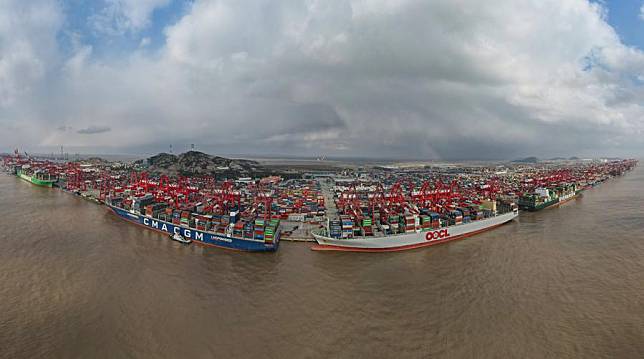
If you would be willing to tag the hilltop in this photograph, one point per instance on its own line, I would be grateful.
(527, 160)
(194, 163)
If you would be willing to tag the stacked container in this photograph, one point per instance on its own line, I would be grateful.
(425, 222)
(436, 219)
(392, 221)
(139, 203)
(466, 213)
(248, 229)
(238, 229)
(271, 231)
(407, 223)
(258, 233)
(217, 224)
(185, 218)
(335, 229)
(201, 222)
(366, 226)
(455, 217)
(347, 227)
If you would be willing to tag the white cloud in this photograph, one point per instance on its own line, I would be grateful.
(27, 45)
(120, 16)
(144, 42)
(448, 78)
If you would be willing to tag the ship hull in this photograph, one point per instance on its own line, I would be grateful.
(412, 240)
(568, 198)
(539, 206)
(36, 181)
(198, 237)
(553, 203)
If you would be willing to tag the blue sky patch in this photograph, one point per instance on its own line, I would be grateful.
(624, 17)
(80, 29)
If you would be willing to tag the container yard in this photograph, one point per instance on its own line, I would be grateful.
(362, 209)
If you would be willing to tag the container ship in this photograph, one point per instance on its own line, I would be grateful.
(229, 231)
(36, 177)
(421, 231)
(542, 198)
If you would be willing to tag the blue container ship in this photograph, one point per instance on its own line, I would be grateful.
(227, 240)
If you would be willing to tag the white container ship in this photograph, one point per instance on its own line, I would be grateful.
(399, 242)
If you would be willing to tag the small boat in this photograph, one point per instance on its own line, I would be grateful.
(179, 238)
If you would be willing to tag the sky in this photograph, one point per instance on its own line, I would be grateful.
(422, 79)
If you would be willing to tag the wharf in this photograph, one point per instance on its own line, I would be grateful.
(300, 231)
(327, 191)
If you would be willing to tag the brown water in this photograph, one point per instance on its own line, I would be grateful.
(77, 282)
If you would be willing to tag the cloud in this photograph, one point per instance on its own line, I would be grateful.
(406, 78)
(118, 17)
(91, 130)
(144, 42)
(27, 43)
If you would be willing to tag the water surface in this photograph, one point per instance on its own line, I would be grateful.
(78, 282)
